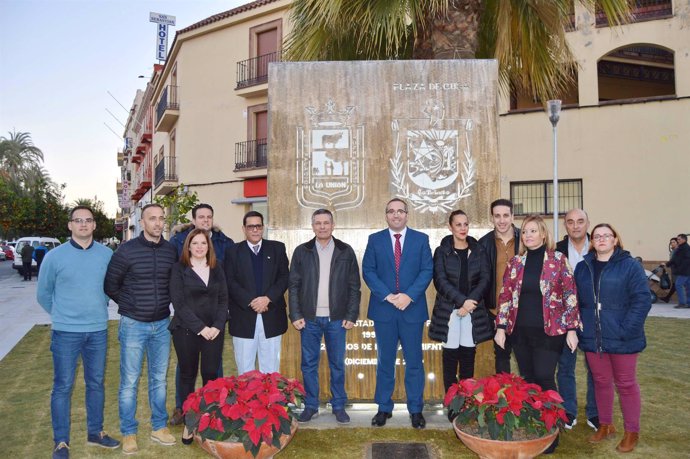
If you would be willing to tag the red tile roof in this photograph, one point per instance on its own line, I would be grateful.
(226, 14)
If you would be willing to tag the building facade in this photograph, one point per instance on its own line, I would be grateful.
(622, 135)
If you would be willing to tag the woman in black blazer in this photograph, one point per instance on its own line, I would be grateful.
(200, 298)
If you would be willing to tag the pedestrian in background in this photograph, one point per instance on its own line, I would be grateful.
(27, 253)
(39, 254)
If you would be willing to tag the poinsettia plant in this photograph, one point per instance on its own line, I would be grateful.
(252, 408)
(498, 406)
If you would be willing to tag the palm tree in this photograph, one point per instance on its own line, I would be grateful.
(527, 37)
(20, 160)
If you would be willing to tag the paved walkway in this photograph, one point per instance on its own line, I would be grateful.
(19, 312)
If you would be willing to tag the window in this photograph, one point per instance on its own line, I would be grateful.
(536, 197)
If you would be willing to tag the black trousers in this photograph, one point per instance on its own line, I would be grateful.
(190, 349)
(501, 355)
(537, 356)
(463, 356)
(26, 267)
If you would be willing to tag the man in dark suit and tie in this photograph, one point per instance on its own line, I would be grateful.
(257, 275)
(398, 267)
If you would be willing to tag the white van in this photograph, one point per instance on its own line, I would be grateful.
(35, 241)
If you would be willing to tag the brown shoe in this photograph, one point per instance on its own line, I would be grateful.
(629, 442)
(177, 418)
(163, 436)
(129, 444)
(605, 432)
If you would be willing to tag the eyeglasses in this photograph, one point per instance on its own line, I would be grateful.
(602, 237)
(80, 221)
(254, 227)
(396, 212)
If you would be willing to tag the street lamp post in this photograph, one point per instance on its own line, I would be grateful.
(554, 111)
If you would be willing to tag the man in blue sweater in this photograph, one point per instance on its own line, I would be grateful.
(70, 289)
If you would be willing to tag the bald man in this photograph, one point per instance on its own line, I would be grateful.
(575, 246)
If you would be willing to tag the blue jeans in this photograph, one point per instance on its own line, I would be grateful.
(334, 335)
(682, 288)
(137, 338)
(66, 348)
(567, 387)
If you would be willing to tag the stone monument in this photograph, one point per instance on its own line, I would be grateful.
(349, 136)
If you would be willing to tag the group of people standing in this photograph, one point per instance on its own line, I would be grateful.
(519, 287)
(512, 285)
(679, 263)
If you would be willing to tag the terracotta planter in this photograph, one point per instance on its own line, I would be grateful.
(235, 450)
(499, 449)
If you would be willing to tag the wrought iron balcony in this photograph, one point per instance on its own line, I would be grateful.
(255, 70)
(251, 154)
(642, 10)
(165, 172)
(168, 109)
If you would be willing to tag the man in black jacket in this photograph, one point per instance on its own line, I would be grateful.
(257, 274)
(680, 262)
(501, 245)
(575, 246)
(324, 302)
(137, 280)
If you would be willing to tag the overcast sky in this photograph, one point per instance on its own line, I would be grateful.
(59, 59)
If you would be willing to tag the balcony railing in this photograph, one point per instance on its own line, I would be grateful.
(642, 10)
(251, 154)
(165, 171)
(167, 103)
(255, 70)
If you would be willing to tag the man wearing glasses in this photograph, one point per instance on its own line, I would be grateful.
(257, 274)
(70, 289)
(397, 267)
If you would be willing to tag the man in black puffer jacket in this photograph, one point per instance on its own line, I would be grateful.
(137, 280)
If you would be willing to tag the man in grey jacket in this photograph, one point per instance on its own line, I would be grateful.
(324, 299)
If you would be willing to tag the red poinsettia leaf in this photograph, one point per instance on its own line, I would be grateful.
(217, 424)
(452, 390)
(252, 431)
(553, 396)
(222, 396)
(235, 411)
(204, 422)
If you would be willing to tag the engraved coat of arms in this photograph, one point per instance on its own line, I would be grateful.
(329, 159)
(432, 165)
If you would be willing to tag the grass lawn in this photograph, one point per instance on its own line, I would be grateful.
(27, 372)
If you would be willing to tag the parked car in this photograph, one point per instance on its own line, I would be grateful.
(7, 251)
(35, 241)
(3, 257)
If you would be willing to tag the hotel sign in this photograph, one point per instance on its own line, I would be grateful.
(163, 21)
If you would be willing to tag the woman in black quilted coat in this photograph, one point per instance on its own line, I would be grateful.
(459, 319)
